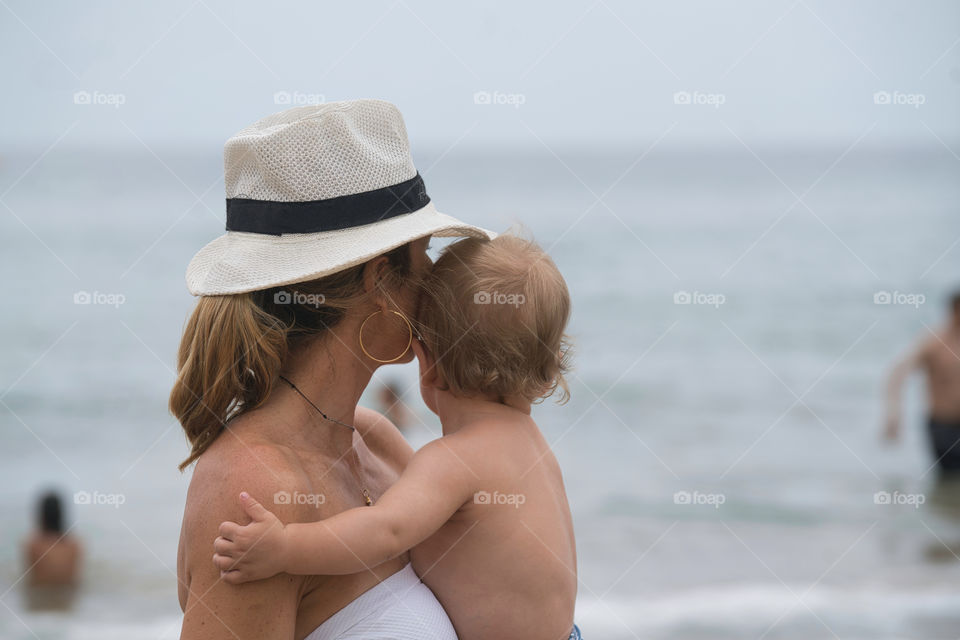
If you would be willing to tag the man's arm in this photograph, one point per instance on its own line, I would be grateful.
(435, 484)
(898, 376)
(215, 609)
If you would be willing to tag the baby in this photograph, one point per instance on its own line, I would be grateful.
(482, 509)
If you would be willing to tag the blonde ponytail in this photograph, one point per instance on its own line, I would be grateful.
(229, 356)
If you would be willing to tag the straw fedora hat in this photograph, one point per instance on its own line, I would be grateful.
(314, 190)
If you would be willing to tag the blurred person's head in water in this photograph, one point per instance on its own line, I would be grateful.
(50, 513)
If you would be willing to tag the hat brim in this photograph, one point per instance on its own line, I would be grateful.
(238, 262)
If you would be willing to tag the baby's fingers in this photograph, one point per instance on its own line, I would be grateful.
(233, 577)
(225, 547)
(223, 563)
(229, 530)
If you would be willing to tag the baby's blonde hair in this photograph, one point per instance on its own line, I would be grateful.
(493, 315)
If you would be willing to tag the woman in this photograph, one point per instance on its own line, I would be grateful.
(309, 291)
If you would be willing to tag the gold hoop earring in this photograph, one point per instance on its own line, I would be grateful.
(405, 349)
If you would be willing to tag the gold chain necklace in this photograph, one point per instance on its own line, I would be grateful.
(366, 494)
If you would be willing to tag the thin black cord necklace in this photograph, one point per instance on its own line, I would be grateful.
(325, 416)
(366, 494)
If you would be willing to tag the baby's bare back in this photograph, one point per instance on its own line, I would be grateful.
(505, 564)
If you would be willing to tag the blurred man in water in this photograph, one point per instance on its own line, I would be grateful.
(938, 356)
(52, 557)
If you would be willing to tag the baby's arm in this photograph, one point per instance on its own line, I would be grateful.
(434, 485)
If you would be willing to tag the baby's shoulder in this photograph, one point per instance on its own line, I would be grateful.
(501, 441)
(516, 426)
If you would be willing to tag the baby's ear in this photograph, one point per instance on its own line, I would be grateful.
(428, 368)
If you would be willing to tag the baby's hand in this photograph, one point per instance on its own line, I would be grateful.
(251, 552)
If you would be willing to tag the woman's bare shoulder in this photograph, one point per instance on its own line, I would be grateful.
(252, 466)
(232, 459)
(229, 466)
(232, 465)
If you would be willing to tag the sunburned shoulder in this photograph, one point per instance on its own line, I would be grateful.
(261, 469)
(232, 459)
(232, 465)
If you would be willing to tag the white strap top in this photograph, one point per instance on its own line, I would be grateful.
(399, 608)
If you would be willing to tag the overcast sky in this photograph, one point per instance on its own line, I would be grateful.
(606, 72)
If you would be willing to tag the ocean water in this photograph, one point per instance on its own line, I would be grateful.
(722, 457)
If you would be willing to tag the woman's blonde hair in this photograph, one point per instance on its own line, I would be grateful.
(234, 346)
(493, 315)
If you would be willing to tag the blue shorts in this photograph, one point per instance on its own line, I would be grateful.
(575, 634)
